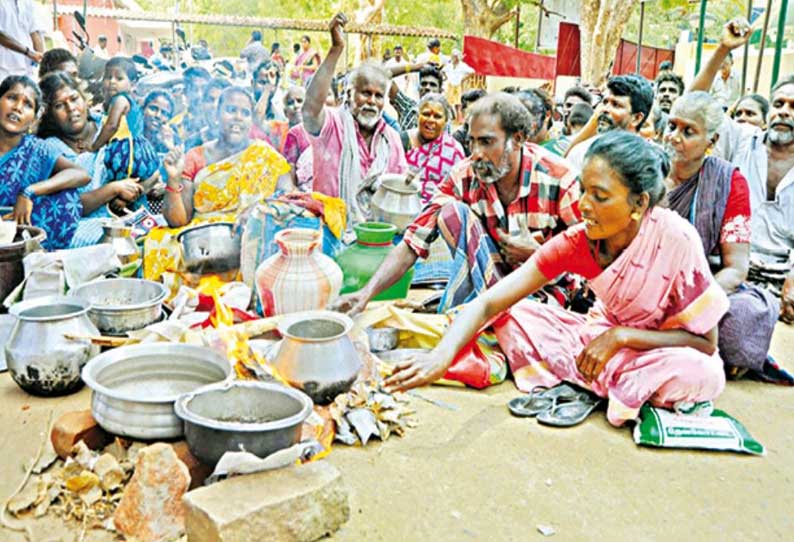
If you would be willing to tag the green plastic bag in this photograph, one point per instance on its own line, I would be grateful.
(719, 431)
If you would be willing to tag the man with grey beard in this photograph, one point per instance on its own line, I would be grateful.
(493, 210)
(351, 145)
(767, 161)
(625, 106)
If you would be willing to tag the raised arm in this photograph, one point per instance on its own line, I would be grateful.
(178, 202)
(313, 114)
(735, 33)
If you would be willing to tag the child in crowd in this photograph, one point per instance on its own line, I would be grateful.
(128, 154)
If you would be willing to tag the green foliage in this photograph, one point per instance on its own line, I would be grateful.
(665, 19)
(227, 41)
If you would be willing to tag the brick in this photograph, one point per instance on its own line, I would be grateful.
(75, 426)
(198, 470)
(296, 504)
(151, 508)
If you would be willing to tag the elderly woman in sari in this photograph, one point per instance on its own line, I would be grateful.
(652, 335)
(69, 129)
(217, 181)
(433, 151)
(714, 196)
(37, 181)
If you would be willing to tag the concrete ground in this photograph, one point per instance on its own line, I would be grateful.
(479, 474)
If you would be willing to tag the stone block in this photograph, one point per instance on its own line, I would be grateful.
(300, 503)
(151, 508)
(75, 426)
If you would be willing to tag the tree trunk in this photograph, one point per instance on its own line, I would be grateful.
(602, 26)
(368, 46)
(482, 18)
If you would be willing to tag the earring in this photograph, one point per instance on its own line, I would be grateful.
(636, 215)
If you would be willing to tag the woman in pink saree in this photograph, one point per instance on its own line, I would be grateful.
(652, 335)
(306, 63)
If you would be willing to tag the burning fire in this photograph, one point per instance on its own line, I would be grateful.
(251, 365)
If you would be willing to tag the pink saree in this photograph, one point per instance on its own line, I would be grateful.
(660, 282)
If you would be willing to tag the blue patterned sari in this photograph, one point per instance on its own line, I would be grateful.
(30, 162)
(89, 228)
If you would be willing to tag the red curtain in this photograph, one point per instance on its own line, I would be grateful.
(491, 58)
(568, 50)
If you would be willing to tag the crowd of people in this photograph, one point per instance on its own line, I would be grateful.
(643, 204)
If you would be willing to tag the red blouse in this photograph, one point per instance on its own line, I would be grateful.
(736, 221)
(567, 252)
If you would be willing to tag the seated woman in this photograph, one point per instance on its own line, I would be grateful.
(36, 181)
(158, 110)
(713, 195)
(433, 151)
(69, 129)
(217, 181)
(652, 335)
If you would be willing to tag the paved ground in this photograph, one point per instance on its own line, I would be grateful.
(479, 474)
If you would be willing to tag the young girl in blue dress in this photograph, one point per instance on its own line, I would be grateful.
(128, 154)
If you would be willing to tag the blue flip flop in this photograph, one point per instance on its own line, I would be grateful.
(540, 399)
(567, 411)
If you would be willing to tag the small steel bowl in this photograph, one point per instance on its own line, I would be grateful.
(122, 305)
(134, 387)
(210, 248)
(256, 417)
(383, 338)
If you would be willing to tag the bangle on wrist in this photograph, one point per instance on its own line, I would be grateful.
(177, 190)
(28, 193)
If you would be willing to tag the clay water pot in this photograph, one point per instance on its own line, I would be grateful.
(299, 277)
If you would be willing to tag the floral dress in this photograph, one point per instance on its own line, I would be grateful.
(30, 162)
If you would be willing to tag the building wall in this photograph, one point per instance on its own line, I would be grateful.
(94, 25)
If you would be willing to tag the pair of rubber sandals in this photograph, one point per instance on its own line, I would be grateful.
(561, 406)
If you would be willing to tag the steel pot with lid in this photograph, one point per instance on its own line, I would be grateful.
(40, 357)
(396, 201)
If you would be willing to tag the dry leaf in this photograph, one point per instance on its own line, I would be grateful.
(82, 482)
(109, 471)
(364, 423)
(83, 455)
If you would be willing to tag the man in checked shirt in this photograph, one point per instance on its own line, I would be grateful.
(493, 210)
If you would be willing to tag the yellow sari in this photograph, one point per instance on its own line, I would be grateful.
(222, 190)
